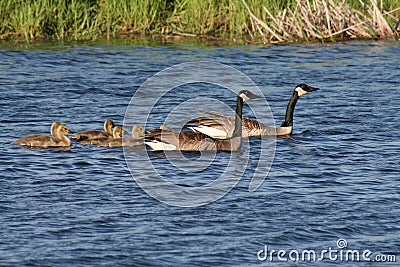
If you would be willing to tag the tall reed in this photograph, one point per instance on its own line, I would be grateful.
(131, 16)
(249, 20)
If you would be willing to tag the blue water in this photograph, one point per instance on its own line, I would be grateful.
(336, 177)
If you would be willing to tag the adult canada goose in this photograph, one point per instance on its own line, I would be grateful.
(159, 139)
(220, 126)
(92, 134)
(57, 139)
(117, 133)
(136, 139)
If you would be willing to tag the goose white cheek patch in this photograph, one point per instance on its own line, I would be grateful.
(301, 91)
(244, 97)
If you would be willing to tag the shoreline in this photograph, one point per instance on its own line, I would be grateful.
(153, 39)
(235, 21)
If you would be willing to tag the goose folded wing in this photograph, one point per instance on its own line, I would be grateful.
(221, 124)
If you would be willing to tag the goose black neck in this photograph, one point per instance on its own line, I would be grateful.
(290, 110)
(237, 132)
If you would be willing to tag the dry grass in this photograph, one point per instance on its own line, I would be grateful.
(324, 20)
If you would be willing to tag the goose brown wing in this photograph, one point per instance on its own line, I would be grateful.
(251, 124)
(192, 136)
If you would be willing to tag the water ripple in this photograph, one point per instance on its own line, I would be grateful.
(336, 177)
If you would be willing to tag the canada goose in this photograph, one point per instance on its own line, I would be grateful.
(159, 139)
(57, 139)
(92, 134)
(117, 133)
(136, 139)
(221, 126)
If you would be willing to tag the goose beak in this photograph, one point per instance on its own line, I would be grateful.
(252, 96)
(257, 96)
(311, 89)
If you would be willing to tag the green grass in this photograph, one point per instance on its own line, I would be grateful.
(92, 19)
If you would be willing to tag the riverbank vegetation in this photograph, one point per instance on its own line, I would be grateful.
(255, 21)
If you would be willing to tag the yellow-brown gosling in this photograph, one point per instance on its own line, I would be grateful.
(57, 139)
(92, 134)
(137, 139)
(117, 133)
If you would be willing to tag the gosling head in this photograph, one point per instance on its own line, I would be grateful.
(303, 89)
(246, 95)
(118, 131)
(137, 132)
(108, 125)
(63, 130)
(164, 127)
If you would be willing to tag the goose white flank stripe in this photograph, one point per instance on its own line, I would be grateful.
(210, 131)
(159, 145)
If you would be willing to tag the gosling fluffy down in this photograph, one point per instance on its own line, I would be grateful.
(57, 138)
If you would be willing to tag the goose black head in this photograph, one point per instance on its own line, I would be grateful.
(303, 89)
(246, 95)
